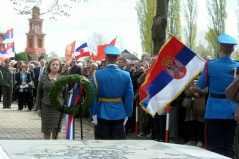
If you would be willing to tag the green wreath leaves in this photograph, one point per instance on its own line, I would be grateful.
(61, 82)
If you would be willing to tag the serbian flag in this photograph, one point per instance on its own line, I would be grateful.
(8, 37)
(82, 51)
(73, 101)
(101, 55)
(174, 68)
(8, 51)
(69, 51)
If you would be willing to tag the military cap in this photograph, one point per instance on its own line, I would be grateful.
(112, 51)
(226, 41)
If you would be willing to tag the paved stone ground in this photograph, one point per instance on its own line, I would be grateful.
(26, 125)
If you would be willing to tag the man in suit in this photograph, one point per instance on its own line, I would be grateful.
(113, 102)
(75, 69)
(122, 64)
(39, 71)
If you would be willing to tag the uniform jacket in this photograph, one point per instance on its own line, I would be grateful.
(7, 77)
(219, 79)
(112, 83)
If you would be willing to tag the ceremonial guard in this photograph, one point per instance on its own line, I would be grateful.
(113, 102)
(7, 84)
(220, 126)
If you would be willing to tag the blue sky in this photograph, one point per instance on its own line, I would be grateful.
(110, 18)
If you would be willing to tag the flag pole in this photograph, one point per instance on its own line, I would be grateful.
(136, 115)
(167, 124)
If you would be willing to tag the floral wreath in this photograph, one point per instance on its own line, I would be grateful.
(61, 82)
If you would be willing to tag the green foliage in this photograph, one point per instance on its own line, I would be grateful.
(235, 55)
(52, 55)
(60, 83)
(21, 57)
(190, 29)
(203, 50)
(174, 26)
(217, 16)
(146, 12)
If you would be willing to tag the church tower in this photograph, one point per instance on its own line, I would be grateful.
(35, 37)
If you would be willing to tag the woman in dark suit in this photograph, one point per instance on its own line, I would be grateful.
(23, 86)
(49, 116)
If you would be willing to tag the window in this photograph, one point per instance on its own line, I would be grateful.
(30, 43)
(38, 27)
(39, 43)
(33, 26)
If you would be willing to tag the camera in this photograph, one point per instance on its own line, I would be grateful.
(237, 71)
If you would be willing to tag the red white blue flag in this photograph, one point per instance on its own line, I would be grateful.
(73, 101)
(174, 68)
(8, 51)
(82, 51)
(8, 37)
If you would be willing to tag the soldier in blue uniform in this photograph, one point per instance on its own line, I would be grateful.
(113, 102)
(220, 126)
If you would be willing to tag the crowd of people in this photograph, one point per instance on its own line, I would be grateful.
(208, 121)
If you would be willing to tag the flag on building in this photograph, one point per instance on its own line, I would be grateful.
(82, 51)
(69, 51)
(101, 55)
(174, 68)
(8, 51)
(73, 101)
(8, 37)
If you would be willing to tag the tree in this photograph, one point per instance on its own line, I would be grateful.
(190, 28)
(94, 40)
(52, 55)
(159, 25)
(22, 56)
(174, 23)
(53, 7)
(217, 15)
(146, 12)
(235, 54)
(237, 14)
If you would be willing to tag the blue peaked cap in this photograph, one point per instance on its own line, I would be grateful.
(226, 40)
(112, 50)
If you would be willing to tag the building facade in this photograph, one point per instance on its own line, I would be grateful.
(35, 38)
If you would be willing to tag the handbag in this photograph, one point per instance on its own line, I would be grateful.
(187, 102)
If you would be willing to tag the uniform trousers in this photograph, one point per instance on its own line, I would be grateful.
(7, 96)
(110, 129)
(220, 135)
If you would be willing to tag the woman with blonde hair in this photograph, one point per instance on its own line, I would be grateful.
(23, 88)
(49, 116)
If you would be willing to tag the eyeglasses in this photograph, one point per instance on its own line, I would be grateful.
(73, 62)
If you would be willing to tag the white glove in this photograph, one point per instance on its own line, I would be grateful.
(125, 120)
(94, 117)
